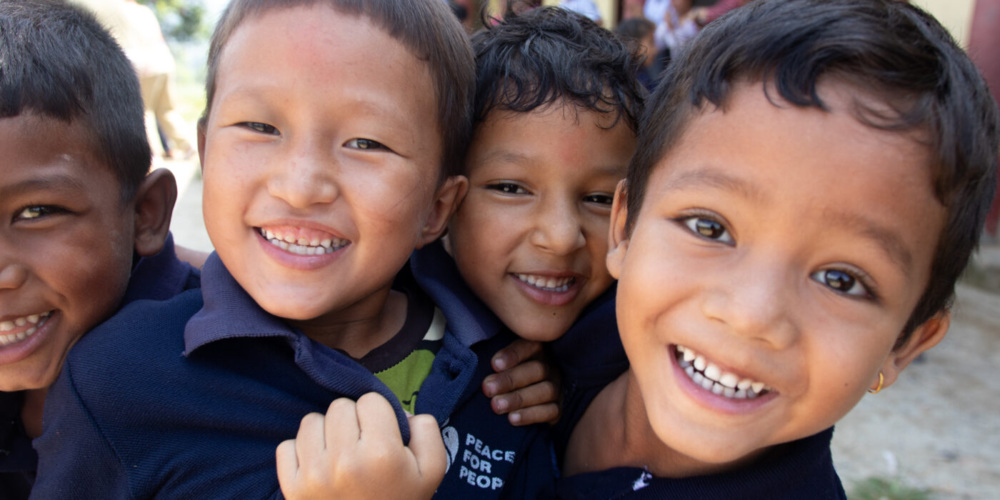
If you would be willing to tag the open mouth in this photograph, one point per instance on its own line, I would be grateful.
(710, 377)
(301, 245)
(35, 320)
(547, 284)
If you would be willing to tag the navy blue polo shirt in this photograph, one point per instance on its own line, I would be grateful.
(191, 396)
(158, 277)
(793, 471)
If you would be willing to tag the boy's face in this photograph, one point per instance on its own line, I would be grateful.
(530, 238)
(321, 163)
(784, 249)
(65, 246)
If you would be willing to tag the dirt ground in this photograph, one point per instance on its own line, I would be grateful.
(938, 427)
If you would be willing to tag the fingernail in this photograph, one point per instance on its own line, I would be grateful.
(502, 404)
(490, 388)
(500, 363)
(515, 418)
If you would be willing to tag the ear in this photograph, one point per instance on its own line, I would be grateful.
(923, 338)
(153, 205)
(617, 236)
(201, 143)
(446, 201)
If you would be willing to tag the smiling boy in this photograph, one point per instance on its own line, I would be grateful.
(767, 281)
(84, 224)
(324, 168)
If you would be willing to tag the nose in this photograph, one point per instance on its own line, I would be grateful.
(558, 228)
(12, 274)
(755, 298)
(304, 176)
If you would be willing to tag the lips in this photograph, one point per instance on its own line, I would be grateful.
(21, 328)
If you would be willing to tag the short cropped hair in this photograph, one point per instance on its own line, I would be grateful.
(888, 49)
(427, 28)
(546, 55)
(56, 61)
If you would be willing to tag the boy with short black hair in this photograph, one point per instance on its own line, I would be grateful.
(555, 128)
(810, 180)
(85, 224)
(324, 169)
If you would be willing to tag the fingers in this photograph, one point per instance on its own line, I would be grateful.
(341, 427)
(536, 394)
(539, 414)
(377, 420)
(428, 448)
(287, 463)
(517, 377)
(516, 353)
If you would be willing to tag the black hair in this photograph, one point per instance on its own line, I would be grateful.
(890, 50)
(548, 54)
(635, 28)
(57, 62)
(427, 28)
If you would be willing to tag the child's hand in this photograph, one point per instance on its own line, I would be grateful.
(524, 387)
(356, 451)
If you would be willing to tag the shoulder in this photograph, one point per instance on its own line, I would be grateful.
(131, 336)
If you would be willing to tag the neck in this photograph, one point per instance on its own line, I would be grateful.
(358, 334)
(31, 411)
(616, 432)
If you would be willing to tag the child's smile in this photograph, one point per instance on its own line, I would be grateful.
(531, 236)
(65, 245)
(768, 276)
(321, 164)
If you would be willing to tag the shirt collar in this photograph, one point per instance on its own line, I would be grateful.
(229, 312)
(468, 317)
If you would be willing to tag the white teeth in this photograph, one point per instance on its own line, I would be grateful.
(710, 377)
(36, 320)
(303, 246)
(548, 284)
(729, 380)
(699, 363)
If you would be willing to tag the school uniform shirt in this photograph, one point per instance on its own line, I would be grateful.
(796, 470)
(158, 277)
(487, 456)
(189, 398)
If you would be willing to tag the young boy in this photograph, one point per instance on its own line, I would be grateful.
(324, 169)
(808, 185)
(85, 224)
(555, 128)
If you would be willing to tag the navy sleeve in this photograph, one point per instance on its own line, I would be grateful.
(75, 459)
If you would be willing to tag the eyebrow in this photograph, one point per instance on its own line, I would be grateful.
(504, 156)
(54, 182)
(885, 238)
(715, 178)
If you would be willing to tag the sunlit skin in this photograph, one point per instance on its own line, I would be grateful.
(530, 238)
(312, 137)
(66, 242)
(792, 254)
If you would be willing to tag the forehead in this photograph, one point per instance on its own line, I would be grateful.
(320, 58)
(557, 135)
(36, 148)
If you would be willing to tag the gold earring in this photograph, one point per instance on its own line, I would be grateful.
(879, 388)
